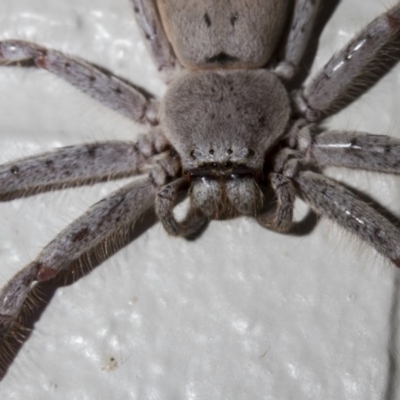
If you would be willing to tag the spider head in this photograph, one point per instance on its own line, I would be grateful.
(222, 124)
(209, 34)
(222, 121)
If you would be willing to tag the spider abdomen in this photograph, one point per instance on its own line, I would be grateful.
(236, 34)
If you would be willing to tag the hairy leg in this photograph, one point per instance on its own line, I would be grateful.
(355, 150)
(149, 21)
(305, 12)
(330, 199)
(333, 83)
(120, 210)
(92, 80)
(79, 165)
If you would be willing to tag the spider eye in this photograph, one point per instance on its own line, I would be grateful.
(207, 20)
(14, 170)
(234, 18)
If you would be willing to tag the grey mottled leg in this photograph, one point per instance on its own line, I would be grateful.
(97, 83)
(333, 83)
(166, 201)
(79, 165)
(356, 150)
(149, 21)
(301, 27)
(328, 198)
(120, 210)
(281, 219)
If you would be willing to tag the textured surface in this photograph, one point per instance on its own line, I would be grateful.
(241, 313)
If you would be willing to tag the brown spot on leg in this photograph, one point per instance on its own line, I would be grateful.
(45, 273)
(41, 61)
(92, 150)
(81, 234)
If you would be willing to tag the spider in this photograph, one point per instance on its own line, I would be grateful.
(234, 172)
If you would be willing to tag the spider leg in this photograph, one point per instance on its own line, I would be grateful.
(305, 12)
(165, 202)
(149, 21)
(281, 218)
(337, 78)
(79, 165)
(120, 210)
(330, 199)
(356, 150)
(98, 83)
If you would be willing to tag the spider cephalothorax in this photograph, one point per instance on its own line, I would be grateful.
(222, 125)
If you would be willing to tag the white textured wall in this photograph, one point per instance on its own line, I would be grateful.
(241, 313)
